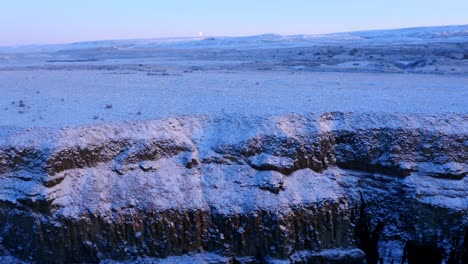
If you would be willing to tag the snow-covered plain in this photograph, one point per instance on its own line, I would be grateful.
(233, 127)
(419, 70)
(59, 98)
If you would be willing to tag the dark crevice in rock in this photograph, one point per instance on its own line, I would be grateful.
(448, 176)
(416, 252)
(53, 181)
(367, 236)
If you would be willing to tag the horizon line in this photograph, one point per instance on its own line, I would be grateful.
(223, 36)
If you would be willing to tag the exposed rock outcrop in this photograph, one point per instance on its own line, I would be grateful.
(281, 187)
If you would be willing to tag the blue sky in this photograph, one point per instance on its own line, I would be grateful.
(62, 21)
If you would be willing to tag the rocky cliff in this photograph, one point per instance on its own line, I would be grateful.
(276, 188)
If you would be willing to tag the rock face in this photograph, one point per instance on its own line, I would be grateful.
(280, 187)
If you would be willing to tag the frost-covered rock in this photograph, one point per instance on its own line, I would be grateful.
(270, 162)
(270, 180)
(278, 187)
(344, 256)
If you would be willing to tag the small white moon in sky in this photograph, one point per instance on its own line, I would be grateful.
(200, 34)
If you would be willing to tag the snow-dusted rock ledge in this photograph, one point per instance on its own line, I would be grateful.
(239, 186)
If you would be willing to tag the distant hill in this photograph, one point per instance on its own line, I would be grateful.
(455, 33)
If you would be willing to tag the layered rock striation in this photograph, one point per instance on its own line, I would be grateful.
(284, 187)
